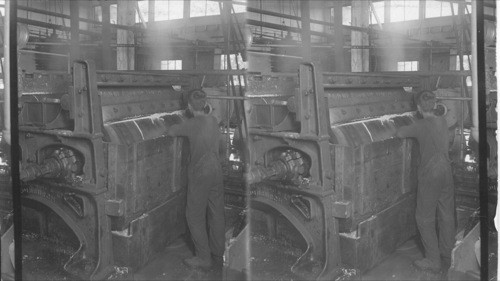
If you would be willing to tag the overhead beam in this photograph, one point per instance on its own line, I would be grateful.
(64, 16)
(285, 28)
(56, 26)
(325, 23)
(286, 16)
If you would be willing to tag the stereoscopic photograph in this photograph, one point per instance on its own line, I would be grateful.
(273, 140)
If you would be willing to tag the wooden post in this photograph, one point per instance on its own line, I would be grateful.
(338, 36)
(125, 55)
(387, 11)
(187, 9)
(421, 9)
(74, 11)
(107, 63)
(306, 31)
(360, 58)
(151, 11)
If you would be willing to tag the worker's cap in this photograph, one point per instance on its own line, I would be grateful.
(197, 99)
(426, 100)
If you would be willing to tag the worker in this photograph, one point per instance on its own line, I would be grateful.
(205, 193)
(435, 193)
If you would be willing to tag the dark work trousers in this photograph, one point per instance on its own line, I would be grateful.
(205, 203)
(436, 196)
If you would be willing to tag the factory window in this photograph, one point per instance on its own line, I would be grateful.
(378, 8)
(143, 9)
(466, 59)
(346, 15)
(169, 10)
(201, 8)
(434, 9)
(407, 65)
(403, 10)
(240, 6)
(234, 59)
(113, 13)
(171, 65)
(97, 13)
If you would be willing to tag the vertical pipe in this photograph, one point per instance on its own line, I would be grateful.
(376, 15)
(387, 11)
(106, 36)
(11, 87)
(497, 215)
(187, 9)
(151, 10)
(6, 76)
(305, 18)
(75, 30)
(475, 115)
(479, 123)
(338, 36)
(360, 15)
(460, 38)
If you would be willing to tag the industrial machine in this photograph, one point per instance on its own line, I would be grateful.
(93, 151)
(323, 155)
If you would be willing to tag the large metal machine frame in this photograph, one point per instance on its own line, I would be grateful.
(93, 151)
(319, 146)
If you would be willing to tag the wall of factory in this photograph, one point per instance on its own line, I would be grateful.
(170, 40)
(29, 62)
(392, 50)
(63, 7)
(287, 59)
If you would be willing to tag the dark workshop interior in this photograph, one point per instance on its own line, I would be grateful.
(310, 98)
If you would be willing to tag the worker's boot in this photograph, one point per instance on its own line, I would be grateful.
(427, 264)
(197, 262)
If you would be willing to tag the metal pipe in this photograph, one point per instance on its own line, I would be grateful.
(60, 44)
(226, 97)
(474, 68)
(273, 55)
(175, 72)
(6, 74)
(401, 74)
(44, 53)
(454, 98)
(347, 47)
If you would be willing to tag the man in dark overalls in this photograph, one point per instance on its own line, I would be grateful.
(205, 193)
(435, 193)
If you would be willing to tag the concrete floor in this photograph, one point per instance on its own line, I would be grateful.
(168, 265)
(399, 266)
